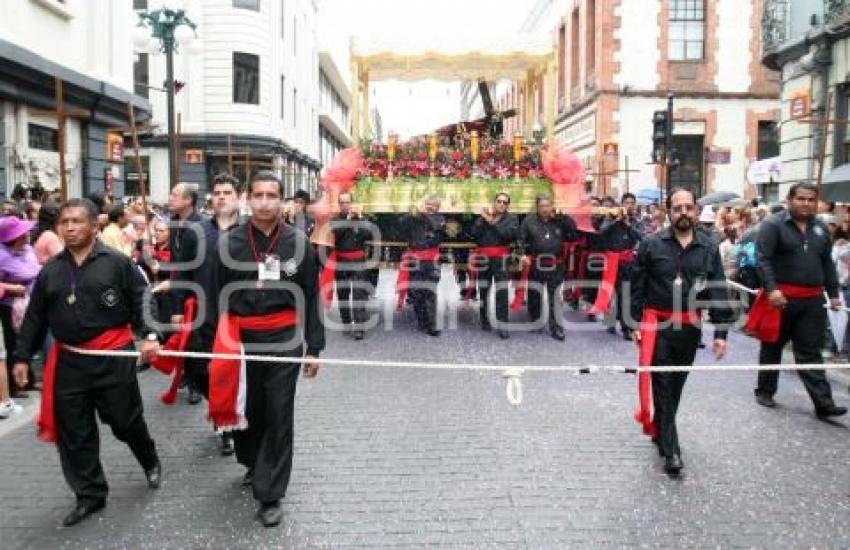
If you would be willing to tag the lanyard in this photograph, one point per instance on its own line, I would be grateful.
(275, 237)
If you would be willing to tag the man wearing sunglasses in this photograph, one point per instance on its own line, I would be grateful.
(678, 271)
(494, 233)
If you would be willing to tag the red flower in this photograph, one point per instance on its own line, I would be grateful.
(457, 156)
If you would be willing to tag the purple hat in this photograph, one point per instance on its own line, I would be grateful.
(12, 227)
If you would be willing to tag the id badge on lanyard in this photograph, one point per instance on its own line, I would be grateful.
(268, 269)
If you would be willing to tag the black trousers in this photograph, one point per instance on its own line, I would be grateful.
(352, 284)
(197, 369)
(673, 346)
(803, 324)
(108, 386)
(423, 293)
(266, 446)
(10, 341)
(623, 309)
(491, 272)
(548, 279)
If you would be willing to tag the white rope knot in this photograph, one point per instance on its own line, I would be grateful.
(513, 386)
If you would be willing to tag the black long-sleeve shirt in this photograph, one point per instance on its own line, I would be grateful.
(661, 259)
(504, 232)
(423, 231)
(352, 234)
(183, 241)
(205, 274)
(787, 255)
(236, 263)
(540, 236)
(618, 236)
(108, 291)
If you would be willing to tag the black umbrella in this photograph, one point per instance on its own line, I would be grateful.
(718, 197)
(836, 185)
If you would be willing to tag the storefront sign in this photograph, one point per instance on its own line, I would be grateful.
(114, 147)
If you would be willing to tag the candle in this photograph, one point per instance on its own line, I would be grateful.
(392, 139)
(432, 148)
(517, 146)
(473, 146)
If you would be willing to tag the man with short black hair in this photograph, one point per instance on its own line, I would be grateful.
(796, 266)
(91, 297)
(267, 284)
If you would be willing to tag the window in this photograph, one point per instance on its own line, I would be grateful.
(283, 19)
(253, 5)
(294, 107)
(768, 145)
(686, 31)
(141, 78)
(590, 37)
(282, 97)
(42, 137)
(562, 64)
(246, 78)
(574, 47)
(140, 5)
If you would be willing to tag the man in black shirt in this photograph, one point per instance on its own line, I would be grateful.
(795, 261)
(676, 270)
(184, 236)
(225, 202)
(89, 296)
(420, 265)
(347, 265)
(543, 235)
(621, 236)
(267, 287)
(494, 233)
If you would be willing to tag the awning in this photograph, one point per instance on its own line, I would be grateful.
(836, 185)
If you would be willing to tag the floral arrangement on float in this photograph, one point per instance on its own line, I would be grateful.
(394, 177)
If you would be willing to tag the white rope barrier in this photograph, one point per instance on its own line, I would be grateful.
(511, 373)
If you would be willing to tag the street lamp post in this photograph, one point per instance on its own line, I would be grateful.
(163, 31)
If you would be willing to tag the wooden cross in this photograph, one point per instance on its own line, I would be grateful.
(826, 122)
(625, 170)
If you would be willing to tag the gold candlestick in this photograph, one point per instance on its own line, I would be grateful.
(392, 140)
(517, 153)
(432, 152)
(473, 151)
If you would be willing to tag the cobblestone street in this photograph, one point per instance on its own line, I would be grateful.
(410, 458)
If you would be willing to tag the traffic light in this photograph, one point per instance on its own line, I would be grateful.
(660, 128)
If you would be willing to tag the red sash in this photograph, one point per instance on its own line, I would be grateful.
(522, 285)
(110, 339)
(489, 252)
(179, 341)
(227, 377)
(764, 321)
(407, 259)
(326, 279)
(648, 334)
(607, 286)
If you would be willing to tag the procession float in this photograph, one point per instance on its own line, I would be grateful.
(466, 164)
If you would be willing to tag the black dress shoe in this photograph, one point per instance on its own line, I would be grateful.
(503, 334)
(627, 335)
(485, 324)
(830, 411)
(194, 396)
(248, 478)
(270, 514)
(358, 334)
(83, 510)
(611, 330)
(227, 445)
(558, 334)
(673, 465)
(433, 332)
(154, 476)
(765, 401)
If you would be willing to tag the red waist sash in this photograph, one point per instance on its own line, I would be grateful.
(764, 320)
(648, 335)
(407, 259)
(227, 377)
(179, 341)
(328, 275)
(609, 278)
(488, 252)
(110, 339)
(545, 260)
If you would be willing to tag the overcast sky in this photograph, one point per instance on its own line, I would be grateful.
(418, 107)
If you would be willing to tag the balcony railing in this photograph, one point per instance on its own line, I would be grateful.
(836, 11)
(775, 24)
